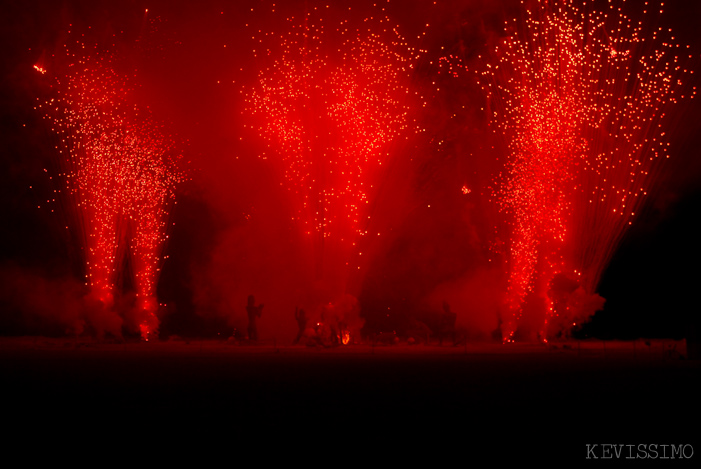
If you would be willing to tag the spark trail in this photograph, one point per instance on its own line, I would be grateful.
(581, 96)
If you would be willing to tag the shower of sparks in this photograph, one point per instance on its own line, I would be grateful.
(329, 108)
(120, 174)
(581, 97)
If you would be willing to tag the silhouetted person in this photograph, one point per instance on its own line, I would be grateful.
(253, 312)
(301, 318)
(329, 319)
(497, 333)
(447, 322)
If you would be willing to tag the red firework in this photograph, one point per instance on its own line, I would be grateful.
(581, 96)
(120, 175)
(329, 108)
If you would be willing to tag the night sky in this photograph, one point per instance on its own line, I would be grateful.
(232, 234)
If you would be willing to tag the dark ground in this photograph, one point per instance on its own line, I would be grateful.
(455, 405)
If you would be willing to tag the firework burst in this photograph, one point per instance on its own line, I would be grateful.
(120, 174)
(329, 108)
(581, 96)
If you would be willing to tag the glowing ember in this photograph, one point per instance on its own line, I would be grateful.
(581, 97)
